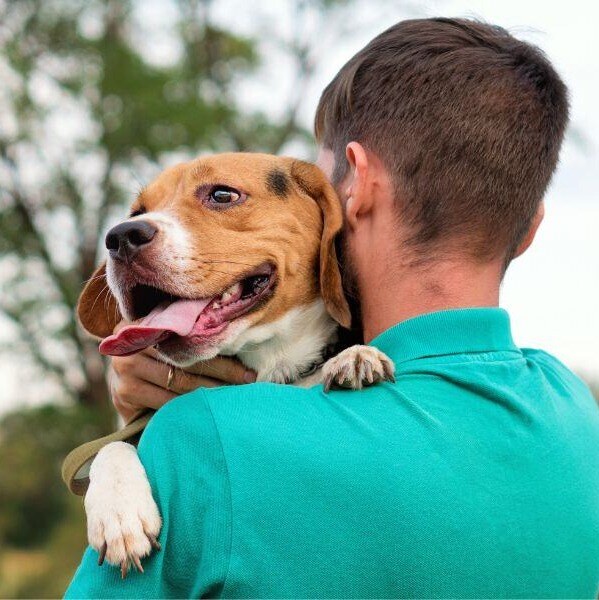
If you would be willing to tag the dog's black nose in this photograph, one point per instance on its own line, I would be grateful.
(126, 239)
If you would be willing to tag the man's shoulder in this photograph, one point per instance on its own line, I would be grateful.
(232, 435)
(538, 354)
(249, 407)
(555, 369)
(262, 395)
(198, 412)
(267, 424)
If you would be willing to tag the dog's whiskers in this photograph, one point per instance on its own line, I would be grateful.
(102, 291)
(95, 277)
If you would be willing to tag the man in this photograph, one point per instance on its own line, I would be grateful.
(477, 473)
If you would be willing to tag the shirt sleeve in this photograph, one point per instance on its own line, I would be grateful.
(182, 454)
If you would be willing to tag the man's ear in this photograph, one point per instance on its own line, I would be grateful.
(532, 231)
(313, 182)
(359, 192)
(97, 308)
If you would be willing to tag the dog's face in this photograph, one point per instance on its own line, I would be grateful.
(213, 248)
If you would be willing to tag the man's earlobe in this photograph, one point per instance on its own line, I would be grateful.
(350, 209)
(532, 231)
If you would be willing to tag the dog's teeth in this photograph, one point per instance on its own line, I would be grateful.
(216, 305)
(230, 292)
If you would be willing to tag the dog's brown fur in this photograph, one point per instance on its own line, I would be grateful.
(291, 218)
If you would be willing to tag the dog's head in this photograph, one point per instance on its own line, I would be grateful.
(213, 248)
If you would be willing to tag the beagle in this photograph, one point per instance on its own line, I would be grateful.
(232, 254)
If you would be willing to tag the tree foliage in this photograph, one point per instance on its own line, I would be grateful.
(33, 444)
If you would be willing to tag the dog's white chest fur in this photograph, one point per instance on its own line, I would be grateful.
(284, 349)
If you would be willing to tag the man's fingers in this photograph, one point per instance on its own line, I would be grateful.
(139, 382)
(151, 352)
(131, 394)
(225, 369)
(183, 382)
(220, 369)
(143, 367)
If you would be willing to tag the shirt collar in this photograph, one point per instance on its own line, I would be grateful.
(458, 331)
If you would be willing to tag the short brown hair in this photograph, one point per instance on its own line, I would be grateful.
(467, 119)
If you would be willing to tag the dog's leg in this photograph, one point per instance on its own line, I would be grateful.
(123, 521)
(356, 367)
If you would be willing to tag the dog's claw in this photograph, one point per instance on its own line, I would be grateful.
(102, 554)
(356, 367)
(328, 381)
(132, 559)
(388, 372)
(137, 564)
(368, 374)
(154, 542)
(343, 375)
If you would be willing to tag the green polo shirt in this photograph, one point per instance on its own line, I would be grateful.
(476, 474)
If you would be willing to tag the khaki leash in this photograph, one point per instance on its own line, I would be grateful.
(75, 468)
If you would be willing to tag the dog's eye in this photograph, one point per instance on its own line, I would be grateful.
(219, 196)
(223, 195)
(137, 212)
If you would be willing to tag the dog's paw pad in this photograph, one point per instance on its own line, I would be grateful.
(356, 367)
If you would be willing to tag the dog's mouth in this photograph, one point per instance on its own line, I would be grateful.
(162, 318)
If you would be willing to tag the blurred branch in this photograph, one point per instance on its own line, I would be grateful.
(28, 337)
(89, 254)
(60, 280)
(26, 213)
(290, 122)
(300, 48)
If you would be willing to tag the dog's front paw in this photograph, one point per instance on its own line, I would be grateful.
(356, 367)
(123, 521)
(280, 372)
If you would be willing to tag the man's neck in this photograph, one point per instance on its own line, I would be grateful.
(412, 291)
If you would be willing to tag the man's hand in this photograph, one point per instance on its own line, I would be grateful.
(139, 381)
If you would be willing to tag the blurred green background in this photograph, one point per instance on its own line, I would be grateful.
(96, 97)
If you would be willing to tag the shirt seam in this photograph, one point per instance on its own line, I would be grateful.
(399, 364)
(229, 492)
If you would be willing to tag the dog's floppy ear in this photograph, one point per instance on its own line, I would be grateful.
(313, 182)
(97, 308)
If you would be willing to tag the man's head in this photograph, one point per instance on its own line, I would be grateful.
(466, 122)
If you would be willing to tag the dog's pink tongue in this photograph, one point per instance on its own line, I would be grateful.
(178, 317)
